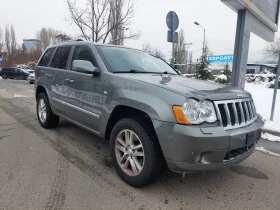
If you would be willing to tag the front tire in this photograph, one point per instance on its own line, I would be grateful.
(4, 76)
(46, 117)
(135, 152)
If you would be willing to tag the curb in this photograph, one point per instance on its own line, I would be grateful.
(275, 133)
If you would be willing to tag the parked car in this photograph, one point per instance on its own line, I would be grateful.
(151, 115)
(14, 73)
(31, 78)
(30, 71)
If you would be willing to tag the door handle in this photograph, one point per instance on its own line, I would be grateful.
(48, 75)
(70, 81)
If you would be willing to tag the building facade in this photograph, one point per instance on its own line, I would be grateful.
(32, 45)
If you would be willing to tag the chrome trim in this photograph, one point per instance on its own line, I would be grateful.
(235, 113)
(75, 107)
(249, 110)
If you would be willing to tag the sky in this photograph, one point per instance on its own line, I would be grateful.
(219, 21)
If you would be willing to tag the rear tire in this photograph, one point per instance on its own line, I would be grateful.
(146, 169)
(46, 117)
(4, 76)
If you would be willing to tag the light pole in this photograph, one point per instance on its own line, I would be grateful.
(196, 23)
(188, 45)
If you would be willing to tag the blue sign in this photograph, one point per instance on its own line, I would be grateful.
(220, 59)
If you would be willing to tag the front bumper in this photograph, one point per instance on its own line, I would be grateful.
(194, 148)
(31, 79)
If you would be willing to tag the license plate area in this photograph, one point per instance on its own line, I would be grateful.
(253, 137)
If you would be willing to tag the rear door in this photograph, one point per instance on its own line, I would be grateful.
(84, 99)
(11, 73)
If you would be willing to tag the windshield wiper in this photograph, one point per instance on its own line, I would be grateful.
(136, 71)
(166, 72)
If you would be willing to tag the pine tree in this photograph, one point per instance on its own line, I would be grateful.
(202, 70)
(225, 77)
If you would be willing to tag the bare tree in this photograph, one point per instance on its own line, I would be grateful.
(103, 20)
(146, 47)
(271, 50)
(1, 41)
(7, 39)
(13, 39)
(48, 36)
(180, 50)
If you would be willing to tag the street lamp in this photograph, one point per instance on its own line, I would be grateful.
(196, 23)
(187, 44)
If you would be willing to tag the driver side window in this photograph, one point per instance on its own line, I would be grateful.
(83, 53)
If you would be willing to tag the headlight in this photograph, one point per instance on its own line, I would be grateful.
(195, 112)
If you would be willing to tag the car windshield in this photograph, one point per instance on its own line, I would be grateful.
(122, 60)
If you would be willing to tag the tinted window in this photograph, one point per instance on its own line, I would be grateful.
(83, 53)
(60, 58)
(46, 58)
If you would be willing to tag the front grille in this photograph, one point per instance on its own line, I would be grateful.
(236, 113)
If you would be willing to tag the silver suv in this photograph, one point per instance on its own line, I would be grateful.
(151, 116)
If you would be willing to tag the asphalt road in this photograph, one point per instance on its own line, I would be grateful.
(69, 168)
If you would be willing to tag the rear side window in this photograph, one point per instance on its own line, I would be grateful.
(83, 53)
(7, 69)
(46, 58)
(60, 58)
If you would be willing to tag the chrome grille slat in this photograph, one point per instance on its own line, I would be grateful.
(254, 109)
(228, 115)
(242, 113)
(246, 111)
(236, 113)
(250, 110)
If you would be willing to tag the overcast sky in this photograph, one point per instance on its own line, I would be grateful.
(150, 15)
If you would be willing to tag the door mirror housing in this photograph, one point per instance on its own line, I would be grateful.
(84, 66)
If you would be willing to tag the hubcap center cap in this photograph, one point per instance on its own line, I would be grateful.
(129, 151)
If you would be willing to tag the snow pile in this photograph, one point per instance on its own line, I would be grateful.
(222, 76)
(270, 137)
(189, 75)
(28, 65)
(263, 100)
(266, 79)
(261, 149)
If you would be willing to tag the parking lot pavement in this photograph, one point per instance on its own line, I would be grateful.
(69, 168)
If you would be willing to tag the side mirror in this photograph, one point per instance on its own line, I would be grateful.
(85, 67)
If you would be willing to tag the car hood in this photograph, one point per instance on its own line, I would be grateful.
(190, 87)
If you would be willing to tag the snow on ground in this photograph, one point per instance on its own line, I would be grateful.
(261, 149)
(270, 137)
(263, 101)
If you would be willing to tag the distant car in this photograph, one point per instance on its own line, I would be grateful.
(31, 78)
(14, 73)
(30, 71)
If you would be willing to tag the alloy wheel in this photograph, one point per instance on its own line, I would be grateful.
(129, 152)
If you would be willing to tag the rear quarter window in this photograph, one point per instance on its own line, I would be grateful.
(46, 57)
(60, 58)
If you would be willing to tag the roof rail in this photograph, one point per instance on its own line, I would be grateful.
(70, 40)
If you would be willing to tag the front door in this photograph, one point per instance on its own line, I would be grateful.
(84, 99)
(55, 77)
